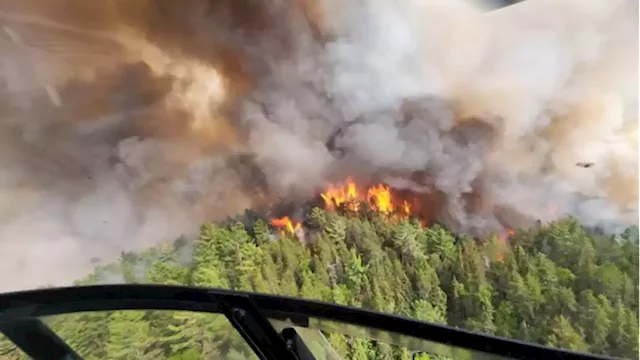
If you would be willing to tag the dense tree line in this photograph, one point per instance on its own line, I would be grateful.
(560, 285)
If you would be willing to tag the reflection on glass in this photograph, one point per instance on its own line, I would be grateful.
(329, 340)
(9, 351)
(153, 335)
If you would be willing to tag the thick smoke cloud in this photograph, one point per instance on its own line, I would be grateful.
(129, 122)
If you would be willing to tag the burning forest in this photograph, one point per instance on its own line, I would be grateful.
(125, 123)
(348, 197)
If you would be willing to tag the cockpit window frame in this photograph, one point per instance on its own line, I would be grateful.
(250, 314)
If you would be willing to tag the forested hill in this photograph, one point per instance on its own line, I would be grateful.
(558, 285)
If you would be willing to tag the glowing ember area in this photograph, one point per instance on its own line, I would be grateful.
(285, 223)
(503, 240)
(378, 197)
(506, 235)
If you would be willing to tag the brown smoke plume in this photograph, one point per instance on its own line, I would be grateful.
(128, 122)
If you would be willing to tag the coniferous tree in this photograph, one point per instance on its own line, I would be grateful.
(561, 285)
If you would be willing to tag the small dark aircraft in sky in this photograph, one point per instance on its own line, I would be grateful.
(585, 165)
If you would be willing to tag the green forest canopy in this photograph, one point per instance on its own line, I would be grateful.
(559, 285)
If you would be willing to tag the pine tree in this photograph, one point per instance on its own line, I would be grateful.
(129, 337)
(563, 335)
(560, 285)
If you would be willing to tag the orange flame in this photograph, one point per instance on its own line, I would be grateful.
(378, 196)
(506, 235)
(346, 195)
(503, 240)
(406, 207)
(349, 196)
(285, 223)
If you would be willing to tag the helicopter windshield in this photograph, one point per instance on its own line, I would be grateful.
(182, 322)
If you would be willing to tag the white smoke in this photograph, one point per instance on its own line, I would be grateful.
(133, 127)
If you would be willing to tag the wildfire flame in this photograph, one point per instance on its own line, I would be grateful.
(379, 198)
(344, 195)
(506, 235)
(503, 241)
(285, 223)
(350, 197)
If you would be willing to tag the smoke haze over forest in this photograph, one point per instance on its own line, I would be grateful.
(126, 123)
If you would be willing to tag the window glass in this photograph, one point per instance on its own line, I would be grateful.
(9, 351)
(153, 335)
(331, 340)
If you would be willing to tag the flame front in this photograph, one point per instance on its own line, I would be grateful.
(378, 197)
(349, 196)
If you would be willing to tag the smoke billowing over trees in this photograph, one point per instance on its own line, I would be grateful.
(125, 122)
